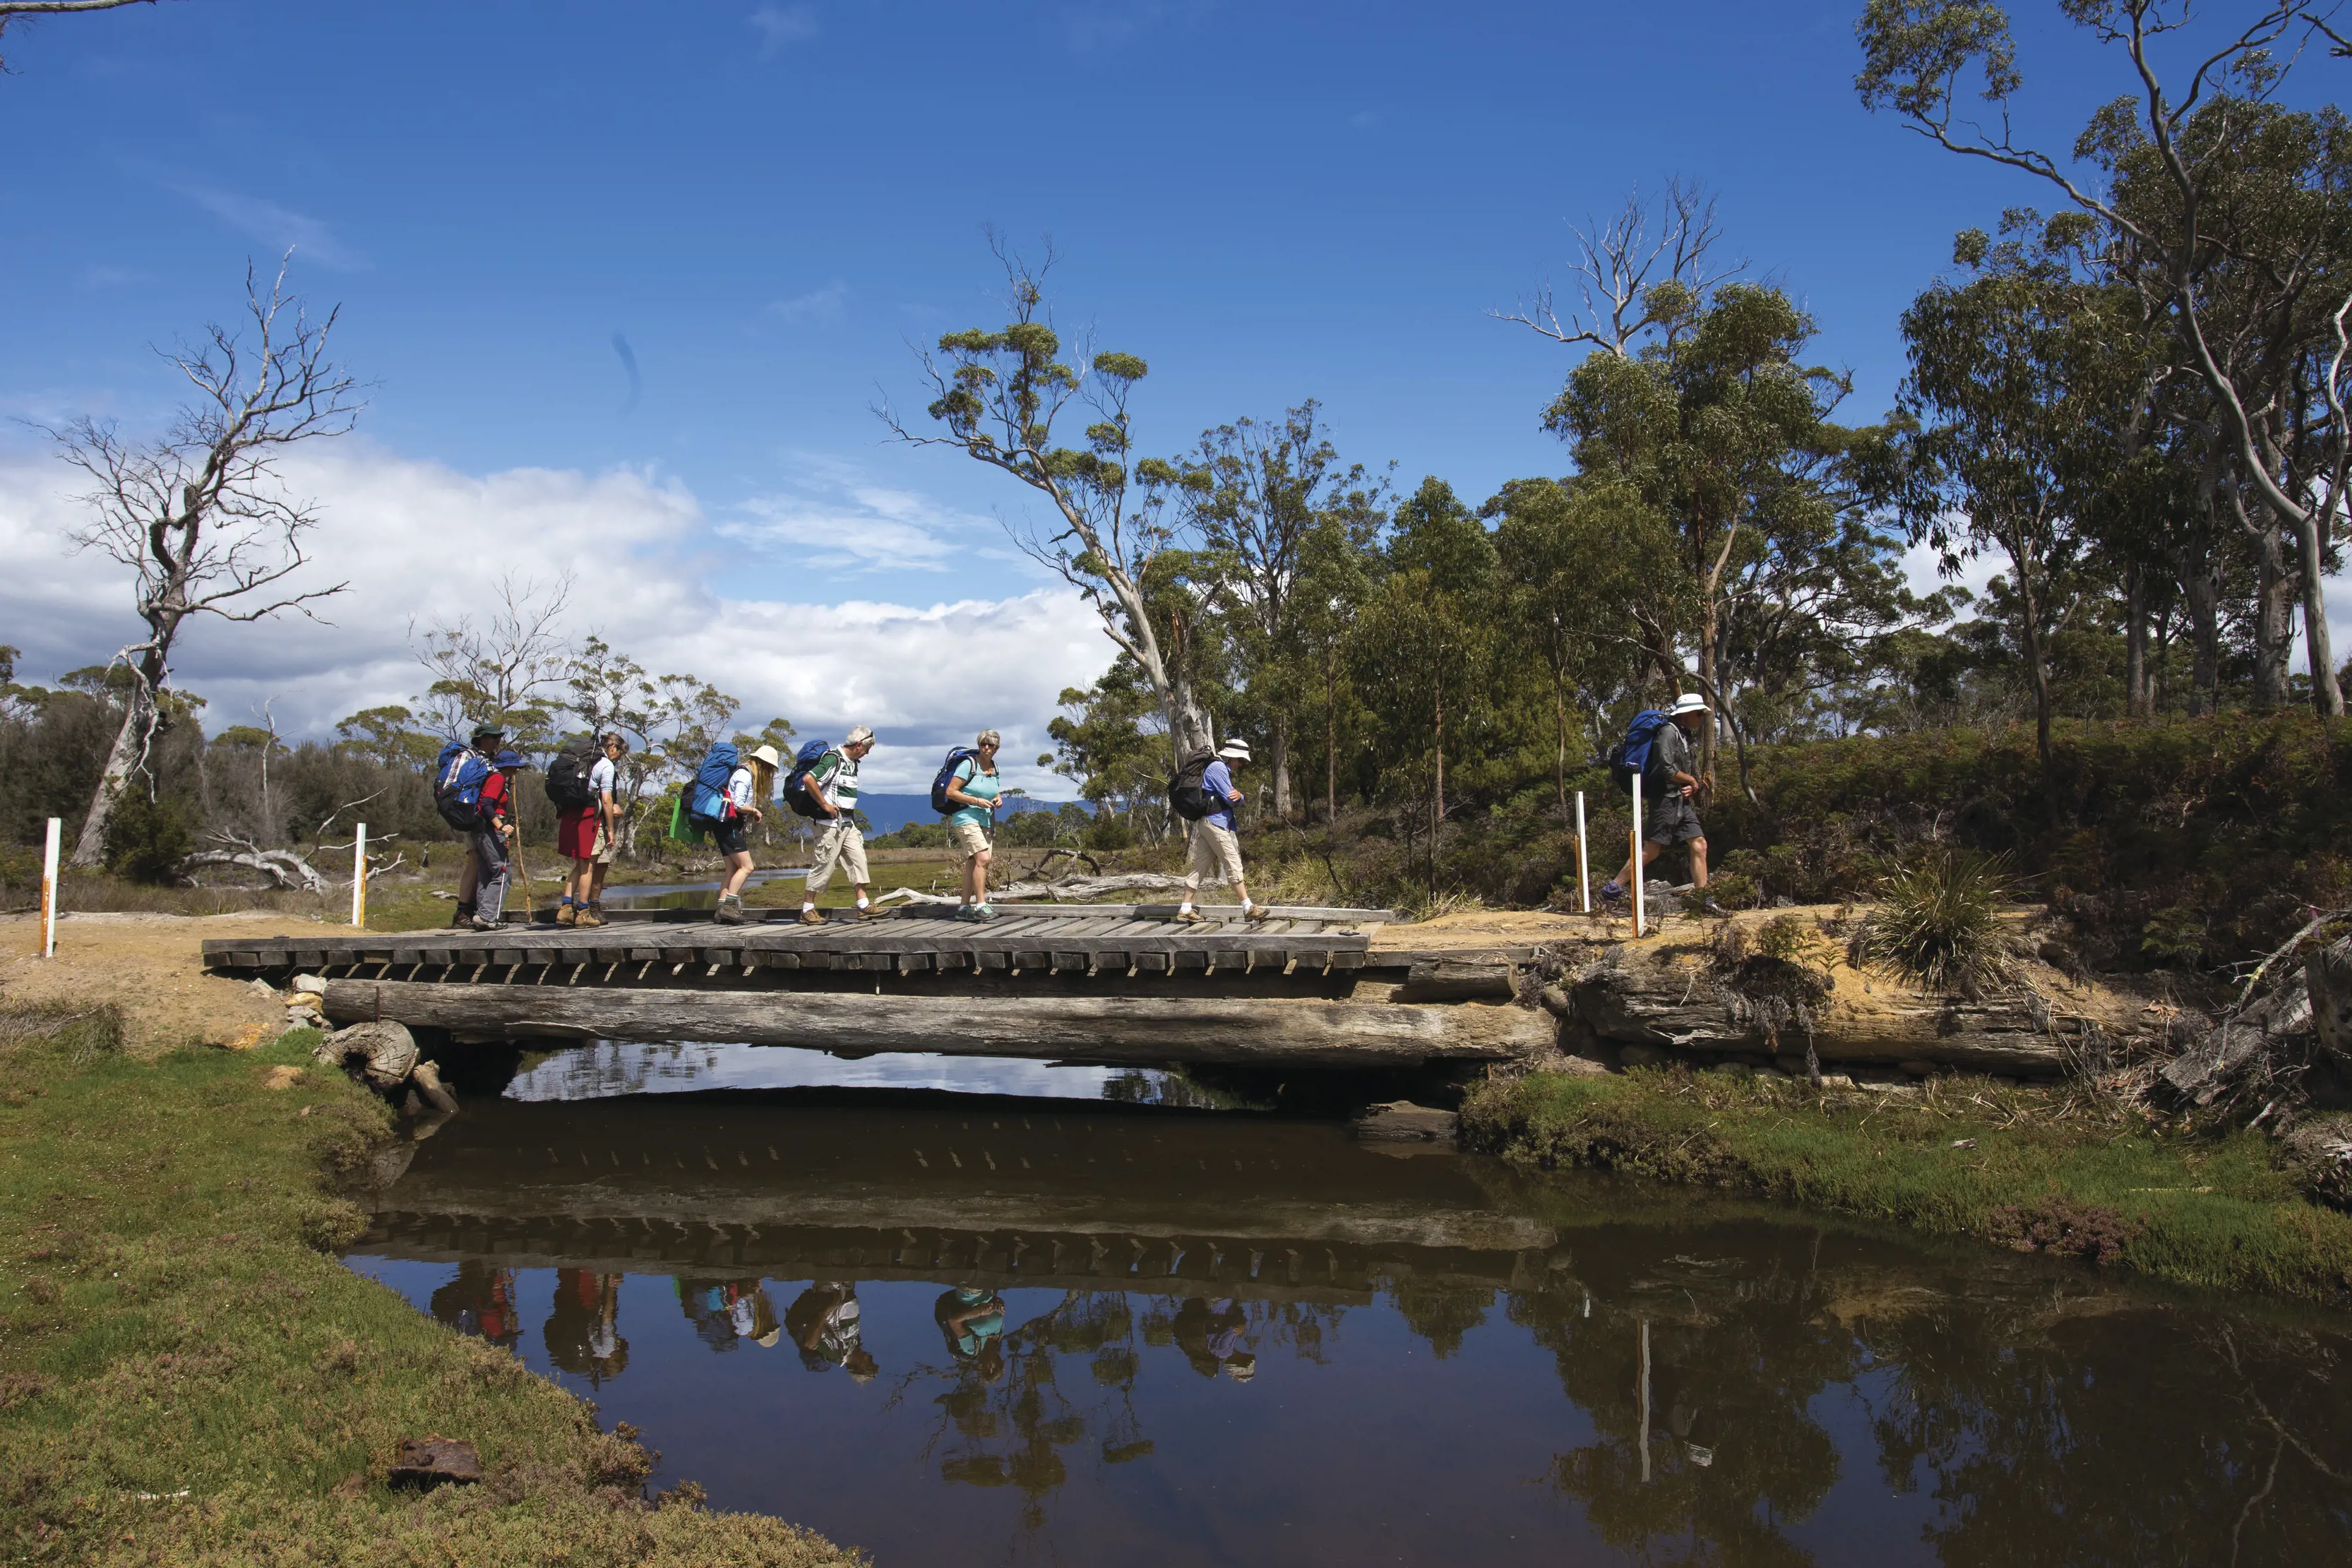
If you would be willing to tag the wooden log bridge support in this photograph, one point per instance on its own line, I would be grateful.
(1102, 984)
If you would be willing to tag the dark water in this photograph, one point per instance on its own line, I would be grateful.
(955, 1329)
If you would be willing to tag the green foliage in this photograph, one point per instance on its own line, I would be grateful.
(147, 837)
(1937, 923)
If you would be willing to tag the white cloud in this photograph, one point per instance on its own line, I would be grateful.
(837, 519)
(780, 25)
(419, 543)
(1103, 26)
(820, 305)
(280, 228)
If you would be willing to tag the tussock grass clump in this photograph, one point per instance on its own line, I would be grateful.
(1938, 925)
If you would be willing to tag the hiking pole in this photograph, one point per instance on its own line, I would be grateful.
(359, 877)
(1639, 928)
(1583, 874)
(49, 890)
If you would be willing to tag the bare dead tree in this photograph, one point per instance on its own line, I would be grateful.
(504, 671)
(199, 516)
(1621, 266)
(21, 10)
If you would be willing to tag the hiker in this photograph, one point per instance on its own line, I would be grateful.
(728, 813)
(491, 839)
(972, 1319)
(970, 787)
(824, 1322)
(1670, 818)
(457, 779)
(589, 830)
(832, 787)
(1216, 848)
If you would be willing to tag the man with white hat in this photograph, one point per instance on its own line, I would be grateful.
(1672, 818)
(833, 785)
(1217, 850)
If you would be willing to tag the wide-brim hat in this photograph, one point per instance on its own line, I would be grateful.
(766, 754)
(511, 759)
(1235, 750)
(1689, 702)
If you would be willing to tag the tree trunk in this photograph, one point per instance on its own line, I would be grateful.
(1281, 748)
(2138, 700)
(1330, 737)
(1560, 729)
(2202, 589)
(2037, 666)
(1437, 795)
(1707, 683)
(2274, 600)
(2326, 695)
(124, 761)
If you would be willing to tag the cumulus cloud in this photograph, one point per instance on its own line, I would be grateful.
(421, 542)
(280, 228)
(837, 519)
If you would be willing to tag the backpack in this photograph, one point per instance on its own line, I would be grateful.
(567, 775)
(1636, 756)
(458, 775)
(706, 792)
(1184, 795)
(796, 791)
(957, 757)
(681, 826)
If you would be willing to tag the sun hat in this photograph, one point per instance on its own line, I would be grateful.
(766, 754)
(1235, 750)
(487, 731)
(511, 759)
(861, 735)
(1689, 702)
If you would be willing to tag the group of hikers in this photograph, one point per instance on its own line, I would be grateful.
(728, 795)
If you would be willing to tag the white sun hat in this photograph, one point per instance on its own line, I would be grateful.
(1235, 750)
(1689, 702)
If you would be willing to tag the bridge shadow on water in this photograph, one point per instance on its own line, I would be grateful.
(1122, 1320)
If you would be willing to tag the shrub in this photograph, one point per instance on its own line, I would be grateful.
(146, 839)
(1939, 923)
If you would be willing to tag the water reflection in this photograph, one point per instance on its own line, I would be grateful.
(606, 1069)
(1032, 1330)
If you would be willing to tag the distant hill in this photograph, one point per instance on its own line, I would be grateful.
(888, 813)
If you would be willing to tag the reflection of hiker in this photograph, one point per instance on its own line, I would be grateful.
(480, 1300)
(832, 787)
(589, 831)
(973, 1320)
(1210, 1336)
(824, 1322)
(1669, 816)
(970, 792)
(726, 1312)
(583, 1333)
(1216, 848)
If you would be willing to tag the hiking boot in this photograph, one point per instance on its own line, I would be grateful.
(962, 912)
(462, 917)
(870, 913)
(983, 911)
(478, 924)
(730, 912)
(587, 915)
(567, 914)
(811, 917)
(1612, 893)
(1190, 917)
(1257, 912)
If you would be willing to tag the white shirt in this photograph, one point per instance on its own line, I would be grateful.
(739, 789)
(601, 778)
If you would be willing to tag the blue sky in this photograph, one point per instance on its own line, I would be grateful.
(769, 202)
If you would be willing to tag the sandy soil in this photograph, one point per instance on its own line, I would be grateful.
(149, 964)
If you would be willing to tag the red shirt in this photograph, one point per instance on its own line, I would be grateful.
(494, 797)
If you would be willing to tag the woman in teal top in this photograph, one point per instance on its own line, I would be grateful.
(975, 791)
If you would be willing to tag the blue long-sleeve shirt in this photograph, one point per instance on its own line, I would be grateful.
(1217, 785)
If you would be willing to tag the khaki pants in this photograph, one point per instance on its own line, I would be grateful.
(839, 845)
(1216, 854)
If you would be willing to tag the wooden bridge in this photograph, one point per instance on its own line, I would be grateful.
(1120, 984)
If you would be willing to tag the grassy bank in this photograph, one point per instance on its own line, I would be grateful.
(2032, 1169)
(187, 1375)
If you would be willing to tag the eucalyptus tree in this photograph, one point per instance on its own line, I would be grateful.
(35, 10)
(2184, 170)
(199, 516)
(997, 397)
(1337, 567)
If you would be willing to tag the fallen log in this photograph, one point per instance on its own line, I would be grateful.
(1457, 980)
(1662, 994)
(1143, 1031)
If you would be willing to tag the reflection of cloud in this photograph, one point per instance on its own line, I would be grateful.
(280, 228)
(420, 541)
(821, 305)
(780, 25)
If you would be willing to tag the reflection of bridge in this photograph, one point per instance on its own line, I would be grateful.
(1027, 1194)
(1122, 984)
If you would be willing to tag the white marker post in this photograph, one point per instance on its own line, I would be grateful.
(359, 877)
(1583, 871)
(49, 889)
(1640, 929)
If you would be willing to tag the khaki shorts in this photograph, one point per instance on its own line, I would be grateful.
(968, 840)
(840, 845)
(1216, 854)
(606, 845)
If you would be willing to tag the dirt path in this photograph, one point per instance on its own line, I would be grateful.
(148, 965)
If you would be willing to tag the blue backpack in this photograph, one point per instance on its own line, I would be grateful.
(458, 775)
(1634, 756)
(796, 789)
(707, 792)
(957, 757)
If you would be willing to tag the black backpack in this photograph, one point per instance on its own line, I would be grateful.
(567, 775)
(1184, 794)
(796, 786)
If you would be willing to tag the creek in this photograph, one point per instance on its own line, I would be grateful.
(964, 1311)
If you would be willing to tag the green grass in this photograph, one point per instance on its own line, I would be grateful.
(186, 1373)
(2208, 1210)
